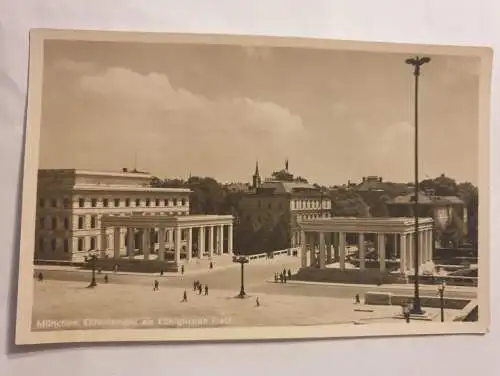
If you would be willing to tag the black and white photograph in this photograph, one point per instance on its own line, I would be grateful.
(204, 187)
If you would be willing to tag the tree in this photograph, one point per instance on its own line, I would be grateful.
(282, 175)
(348, 203)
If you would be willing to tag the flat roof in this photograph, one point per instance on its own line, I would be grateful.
(73, 171)
(137, 220)
(127, 188)
(366, 224)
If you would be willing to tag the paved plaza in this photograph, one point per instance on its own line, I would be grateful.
(64, 300)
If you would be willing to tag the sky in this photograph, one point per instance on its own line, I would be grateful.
(176, 110)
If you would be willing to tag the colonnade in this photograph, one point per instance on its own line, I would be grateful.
(209, 240)
(320, 248)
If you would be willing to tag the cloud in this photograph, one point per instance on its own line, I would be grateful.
(153, 93)
(69, 65)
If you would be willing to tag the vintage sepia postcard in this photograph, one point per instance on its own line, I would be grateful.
(216, 187)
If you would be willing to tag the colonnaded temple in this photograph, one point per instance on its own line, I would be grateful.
(324, 252)
(123, 218)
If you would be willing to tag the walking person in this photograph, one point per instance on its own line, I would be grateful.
(156, 285)
(206, 290)
(357, 300)
(289, 274)
(184, 297)
(106, 280)
(182, 269)
(200, 289)
(40, 277)
(195, 285)
(257, 302)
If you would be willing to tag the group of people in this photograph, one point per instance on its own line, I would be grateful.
(283, 276)
(197, 286)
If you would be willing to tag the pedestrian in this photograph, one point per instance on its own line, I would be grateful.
(156, 286)
(257, 302)
(115, 268)
(284, 278)
(211, 265)
(184, 297)
(106, 278)
(206, 290)
(275, 277)
(289, 274)
(281, 277)
(182, 269)
(161, 271)
(195, 285)
(284, 272)
(357, 300)
(200, 289)
(40, 277)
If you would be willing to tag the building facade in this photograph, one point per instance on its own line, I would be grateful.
(71, 205)
(285, 203)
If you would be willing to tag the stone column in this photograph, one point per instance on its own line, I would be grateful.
(421, 251)
(402, 253)
(431, 245)
(303, 254)
(230, 239)
(201, 242)
(146, 243)
(221, 240)
(104, 243)
(381, 251)
(117, 236)
(211, 241)
(161, 243)
(362, 251)
(170, 234)
(396, 245)
(342, 250)
(189, 254)
(321, 250)
(178, 240)
(130, 243)
(409, 252)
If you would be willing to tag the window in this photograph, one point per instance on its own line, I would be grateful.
(183, 202)
(93, 242)
(41, 203)
(165, 202)
(66, 245)
(81, 222)
(127, 202)
(148, 202)
(54, 223)
(157, 202)
(117, 202)
(80, 244)
(53, 203)
(66, 203)
(42, 222)
(81, 203)
(41, 244)
(137, 202)
(93, 221)
(105, 202)
(53, 244)
(66, 223)
(175, 202)
(93, 202)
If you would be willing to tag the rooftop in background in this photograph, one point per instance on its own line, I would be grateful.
(286, 187)
(425, 199)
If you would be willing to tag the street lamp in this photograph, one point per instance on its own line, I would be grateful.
(242, 261)
(416, 62)
(441, 288)
(92, 258)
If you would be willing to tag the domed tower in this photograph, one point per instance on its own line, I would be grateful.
(256, 181)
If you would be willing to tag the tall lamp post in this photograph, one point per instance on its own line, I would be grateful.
(242, 260)
(416, 62)
(441, 298)
(93, 260)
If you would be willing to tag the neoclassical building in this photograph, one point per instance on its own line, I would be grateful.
(273, 201)
(119, 214)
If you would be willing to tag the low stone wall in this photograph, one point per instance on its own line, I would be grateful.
(387, 298)
(368, 276)
(138, 266)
